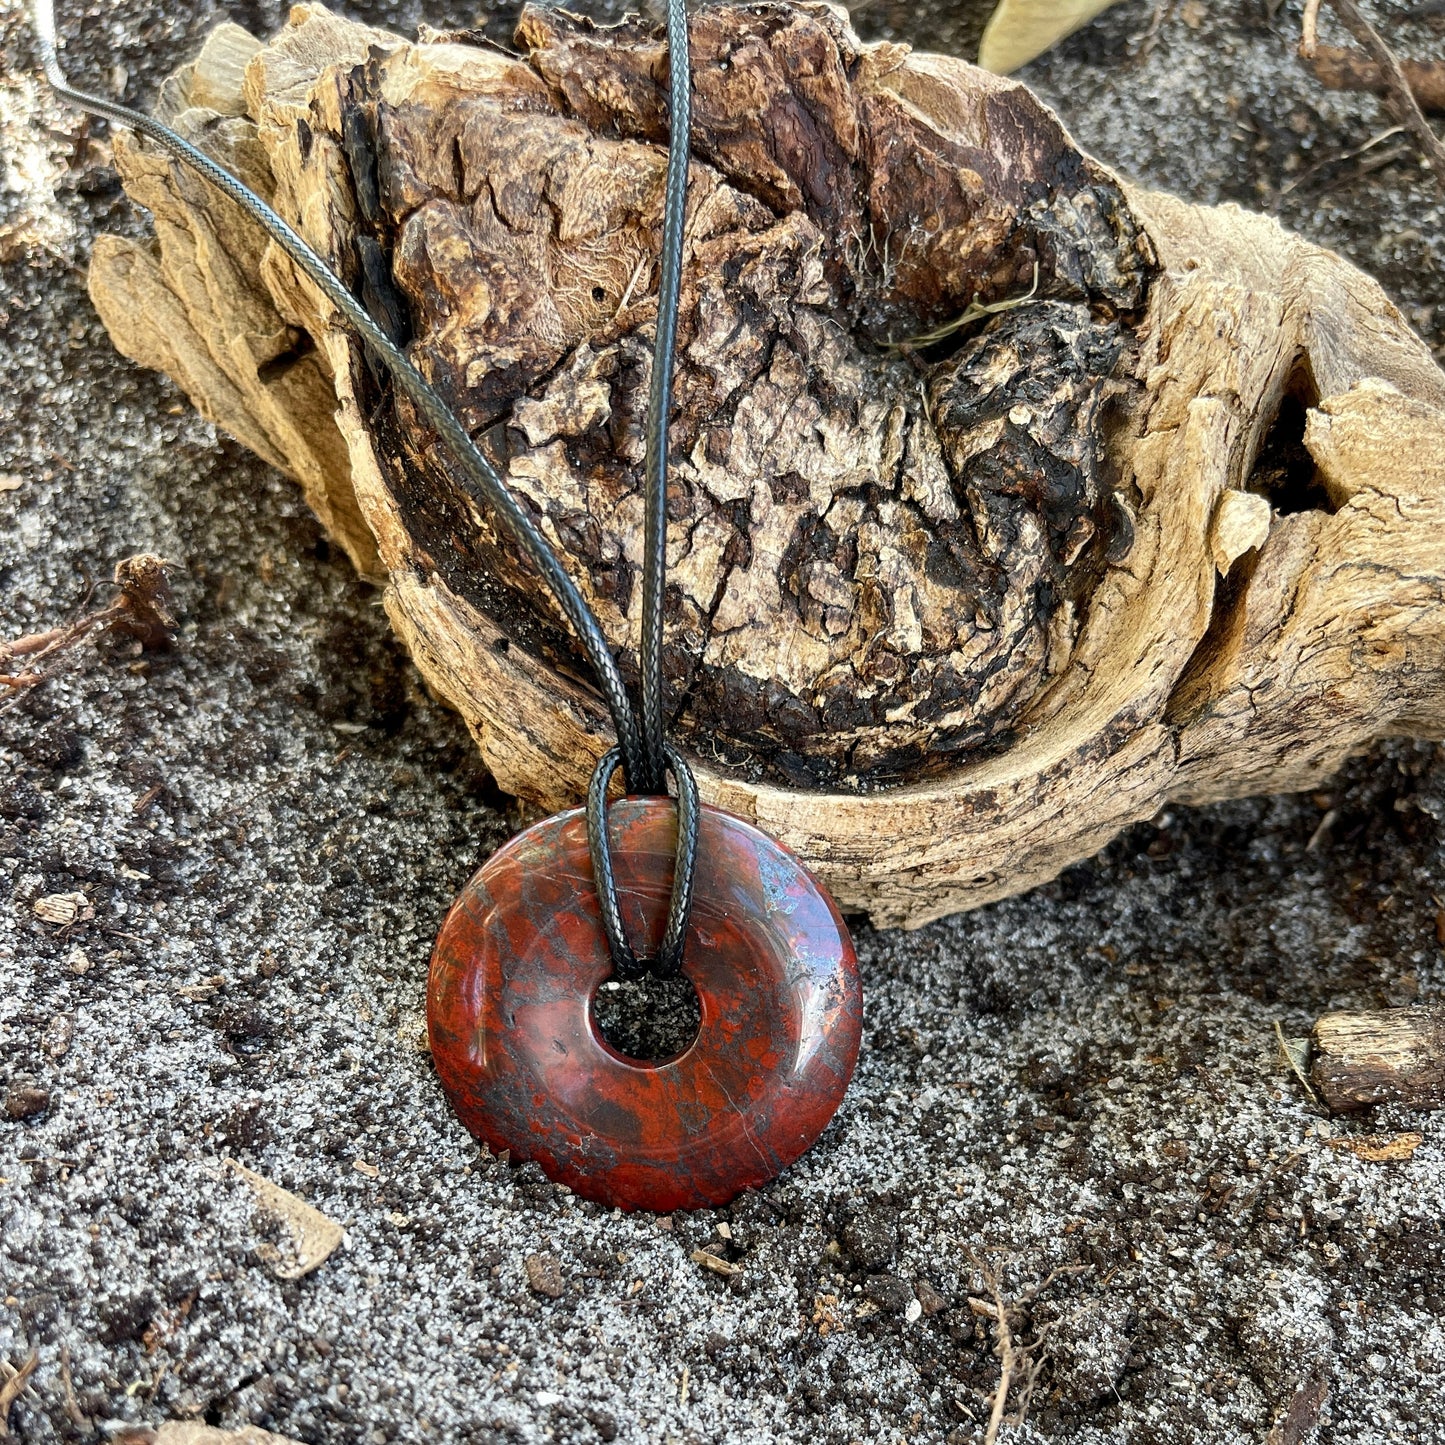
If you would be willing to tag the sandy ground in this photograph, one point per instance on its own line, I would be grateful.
(268, 823)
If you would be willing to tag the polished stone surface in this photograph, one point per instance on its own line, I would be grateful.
(517, 967)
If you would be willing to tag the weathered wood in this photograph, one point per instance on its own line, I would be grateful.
(1394, 1056)
(1009, 505)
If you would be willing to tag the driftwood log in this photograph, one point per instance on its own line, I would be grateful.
(1392, 1056)
(1010, 502)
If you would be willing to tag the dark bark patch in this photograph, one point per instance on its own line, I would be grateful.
(881, 550)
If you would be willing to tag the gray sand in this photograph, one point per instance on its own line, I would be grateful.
(1087, 1075)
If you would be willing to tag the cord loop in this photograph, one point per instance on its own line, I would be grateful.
(668, 960)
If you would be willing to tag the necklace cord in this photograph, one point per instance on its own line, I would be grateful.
(659, 406)
(644, 755)
(659, 757)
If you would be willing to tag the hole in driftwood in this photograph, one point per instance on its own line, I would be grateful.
(1284, 471)
(281, 363)
(648, 1018)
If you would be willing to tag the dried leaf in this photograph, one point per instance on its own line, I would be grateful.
(1377, 1149)
(314, 1236)
(1297, 1055)
(1021, 29)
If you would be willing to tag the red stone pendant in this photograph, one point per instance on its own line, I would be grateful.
(517, 967)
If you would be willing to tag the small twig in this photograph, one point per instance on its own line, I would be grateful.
(13, 1388)
(1008, 1358)
(1340, 67)
(1064, 1271)
(1383, 158)
(143, 609)
(627, 294)
(1310, 30)
(1397, 87)
(39, 647)
(1020, 1361)
(78, 1417)
(1163, 12)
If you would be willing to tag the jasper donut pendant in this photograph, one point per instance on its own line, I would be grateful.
(516, 970)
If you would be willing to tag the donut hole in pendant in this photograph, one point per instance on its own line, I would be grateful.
(647, 1020)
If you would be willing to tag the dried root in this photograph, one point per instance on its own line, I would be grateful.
(141, 610)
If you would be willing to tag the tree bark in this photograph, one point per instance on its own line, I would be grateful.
(1009, 503)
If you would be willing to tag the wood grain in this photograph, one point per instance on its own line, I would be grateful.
(1390, 1056)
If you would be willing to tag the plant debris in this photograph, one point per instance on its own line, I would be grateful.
(1020, 1358)
(716, 1263)
(143, 611)
(1339, 67)
(63, 909)
(544, 1275)
(314, 1237)
(1393, 80)
(1379, 1149)
(15, 1381)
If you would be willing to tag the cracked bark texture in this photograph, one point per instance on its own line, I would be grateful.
(950, 604)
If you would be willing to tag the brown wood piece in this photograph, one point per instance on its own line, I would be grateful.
(1340, 67)
(945, 615)
(1391, 1056)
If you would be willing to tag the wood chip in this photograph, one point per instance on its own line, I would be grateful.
(189, 1432)
(708, 1260)
(1387, 1056)
(1241, 523)
(63, 909)
(58, 1036)
(25, 1102)
(314, 1236)
(206, 988)
(929, 1298)
(362, 1167)
(544, 1275)
(9, 482)
(1378, 1148)
(1302, 1414)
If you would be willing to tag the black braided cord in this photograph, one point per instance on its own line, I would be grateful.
(659, 402)
(625, 963)
(644, 754)
(658, 756)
